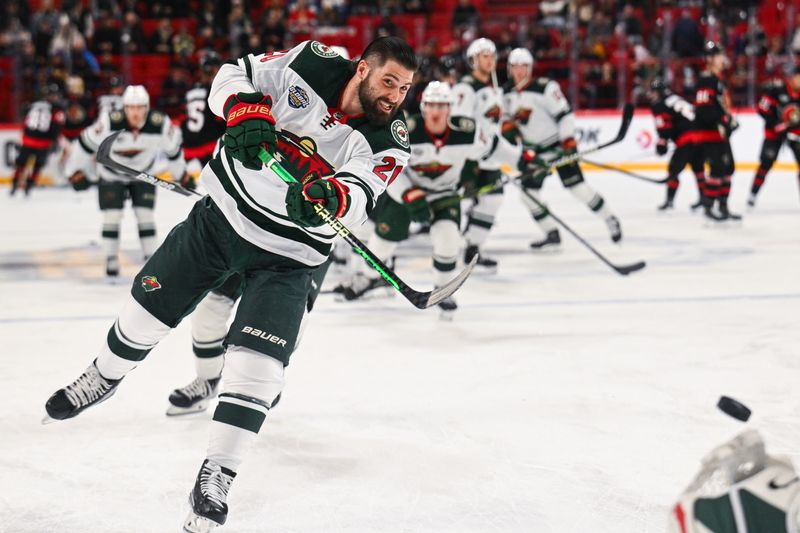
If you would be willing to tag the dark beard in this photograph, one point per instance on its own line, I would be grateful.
(374, 114)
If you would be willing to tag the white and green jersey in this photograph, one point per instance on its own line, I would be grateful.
(136, 149)
(305, 85)
(437, 161)
(479, 101)
(539, 111)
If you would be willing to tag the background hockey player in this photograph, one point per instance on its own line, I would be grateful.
(112, 100)
(342, 134)
(713, 127)
(674, 119)
(779, 106)
(201, 128)
(42, 127)
(740, 489)
(147, 133)
(478, 97)
(429, 188)
(538, 114)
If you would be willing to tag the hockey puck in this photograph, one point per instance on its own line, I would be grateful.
(733, 408)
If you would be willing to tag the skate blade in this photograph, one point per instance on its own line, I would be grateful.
(447, 316)
(547, 249)
(174, 410)
(47, 419)
(198, 524)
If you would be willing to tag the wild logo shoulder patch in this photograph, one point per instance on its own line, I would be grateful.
(323, 50)
(400, 133)
(150, 283)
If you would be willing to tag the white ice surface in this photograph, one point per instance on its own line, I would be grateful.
(563, 398)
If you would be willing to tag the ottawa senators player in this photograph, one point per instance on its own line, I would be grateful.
(713, 127)
(779, 106)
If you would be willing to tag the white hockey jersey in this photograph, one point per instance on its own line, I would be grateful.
(483, 103)
(305, 85)
(539, 112)
(106, 103)
(137, 150)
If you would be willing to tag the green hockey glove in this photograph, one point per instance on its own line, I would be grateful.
(330, 192)
(419, 210)
(250, 126)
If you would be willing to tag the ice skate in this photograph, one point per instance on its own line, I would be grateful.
(486, 264)
(725, 214)
(666, 206)
(359, 285)
(208, 498)
(193, 398)
(614, 228)
(697, 205)
(89, 389)
(447, 309)
(751, 201)
(552, 241)
(112, 267)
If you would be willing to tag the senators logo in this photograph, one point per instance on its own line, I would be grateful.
(431, 170)
(299, 156)
(523, 115)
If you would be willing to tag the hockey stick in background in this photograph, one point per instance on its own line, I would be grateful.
(627, 172)
(421, 300)
(103, 157)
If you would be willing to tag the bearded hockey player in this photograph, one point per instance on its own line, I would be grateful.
(146, 133)
(42, 128)
(429, 188)
(779, 106)
(477, 97)
(674, 117)
(740, 489)
(341, 134)
(538, 114)
(713, 127)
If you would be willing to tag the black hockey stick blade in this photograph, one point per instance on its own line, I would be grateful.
(627, 269)
(104, 158)
(625, 124)
(648, 179)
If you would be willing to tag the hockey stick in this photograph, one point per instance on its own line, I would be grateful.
(104, 158)
(623, 270)
(627, 172)
(421, 300)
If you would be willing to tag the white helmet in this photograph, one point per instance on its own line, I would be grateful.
(520, 56)
(135, 95)
(437, 92)
(478, 46)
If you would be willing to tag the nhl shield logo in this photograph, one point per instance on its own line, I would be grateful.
(150, 283)
(400, 133)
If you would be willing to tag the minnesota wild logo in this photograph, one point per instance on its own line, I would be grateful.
(431, 170)
(400, 133)
(299, 156)
(322, 50)
(493, 113)
(523, 115)
(150, 283)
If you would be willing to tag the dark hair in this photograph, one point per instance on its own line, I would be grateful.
(383, 49)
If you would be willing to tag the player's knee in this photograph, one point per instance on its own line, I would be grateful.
(252, 374)
(445, 237)
(210, 317)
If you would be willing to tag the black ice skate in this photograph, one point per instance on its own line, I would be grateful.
(193, 398)
(751, 201)
(725, 214)
(551, 241)
(89, 389)
(112, 267)
(447, 309)
(666, 206)
(359, 285)
(208, 498)
(487, 264)
(698, 204)
(614, 228)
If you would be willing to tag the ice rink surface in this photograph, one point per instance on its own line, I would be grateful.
(563, 398)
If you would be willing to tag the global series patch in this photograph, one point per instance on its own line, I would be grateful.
(298, 98)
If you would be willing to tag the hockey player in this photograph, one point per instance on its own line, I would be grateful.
(146, 133)
(106, 103)
(538, 114)
(429, 188)
(713, 127)
(779, 106)
(740, 489)
(42, 128)
(342, 135)
(202, 128)
(674, 117)
(477, 96)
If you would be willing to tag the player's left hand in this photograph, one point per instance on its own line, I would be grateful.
(661, 147)
(569, 146)
(419, 210)
(79, 181)
(329, 192)
(188, 181)
(531, 163)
